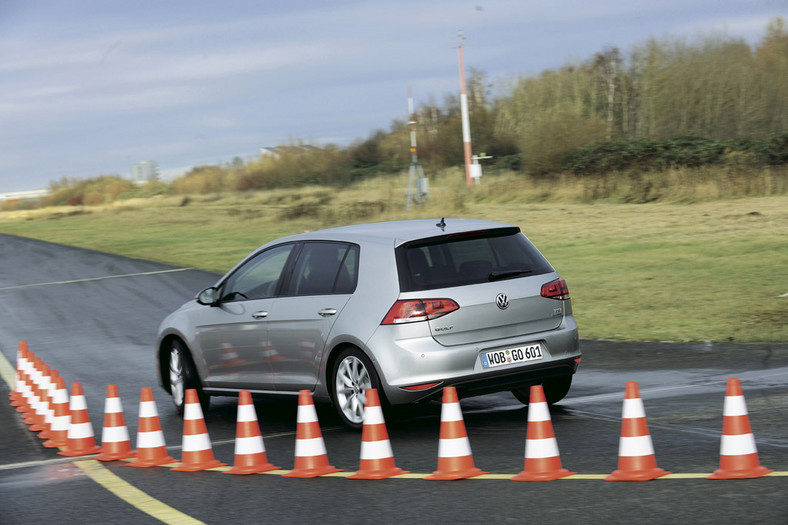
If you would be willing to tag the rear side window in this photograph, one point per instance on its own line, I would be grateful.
(325, 268)
(468, 258)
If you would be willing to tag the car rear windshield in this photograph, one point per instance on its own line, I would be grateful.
(468, 258)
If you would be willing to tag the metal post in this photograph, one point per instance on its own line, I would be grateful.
(466, 124)
(415, 173)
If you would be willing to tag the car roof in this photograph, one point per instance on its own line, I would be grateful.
(398, 232)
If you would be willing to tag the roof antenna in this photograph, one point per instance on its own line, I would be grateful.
(442, 224)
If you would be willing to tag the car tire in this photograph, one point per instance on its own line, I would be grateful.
(183, 376)
(352, 375)
(554, 390)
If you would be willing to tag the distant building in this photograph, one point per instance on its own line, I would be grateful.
(23, 196)
(145, 171)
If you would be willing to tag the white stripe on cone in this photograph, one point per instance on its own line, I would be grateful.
(246, 414)
(538, 412)
(734, 406)
(112, 405)
(306, 414)
(452, 448)
(192, 411)
(78, 403)
(148, 409)
(114, 434)
(196, 443)
(249, 445)
(310, 447)
(541, 448)
(373, 415)
(738, 445)
(152, 439)
(80, 430)
(451, 412)
(635, 446)
(376, 450)
(633, 408)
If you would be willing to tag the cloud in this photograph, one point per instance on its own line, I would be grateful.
(92, 85)
(749, 27)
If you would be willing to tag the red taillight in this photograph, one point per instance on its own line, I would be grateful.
(411, 311)
(555, 290)
(417, 388)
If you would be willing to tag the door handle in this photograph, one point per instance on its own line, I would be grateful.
(328, 312)
(260, 315)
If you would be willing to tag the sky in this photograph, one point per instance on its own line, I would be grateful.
(91, 87)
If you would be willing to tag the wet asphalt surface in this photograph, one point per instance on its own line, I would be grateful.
(94, 316)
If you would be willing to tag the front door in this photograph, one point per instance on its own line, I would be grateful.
(234, 335)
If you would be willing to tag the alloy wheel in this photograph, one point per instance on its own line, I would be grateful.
(351, 382)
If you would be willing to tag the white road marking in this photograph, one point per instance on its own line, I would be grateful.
(91, 279)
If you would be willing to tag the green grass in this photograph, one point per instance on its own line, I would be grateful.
(707, 271)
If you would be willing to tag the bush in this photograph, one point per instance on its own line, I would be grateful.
(679, 152)
(203, 179)
(147, 190)
(773, 151)
(509, 162)
(75, 192)
(552, 137)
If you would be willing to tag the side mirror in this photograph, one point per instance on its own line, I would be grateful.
(209, 296)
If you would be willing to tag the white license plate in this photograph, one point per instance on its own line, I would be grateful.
(511, 356)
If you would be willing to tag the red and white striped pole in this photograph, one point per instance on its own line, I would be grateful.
(466, 123)
(412, 124)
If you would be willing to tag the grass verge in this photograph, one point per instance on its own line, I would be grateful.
(663, 271)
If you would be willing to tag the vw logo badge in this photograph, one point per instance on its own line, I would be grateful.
(502, 301)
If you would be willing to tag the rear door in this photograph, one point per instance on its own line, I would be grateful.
(323, 280)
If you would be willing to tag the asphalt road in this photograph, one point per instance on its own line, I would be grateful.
(93, 316)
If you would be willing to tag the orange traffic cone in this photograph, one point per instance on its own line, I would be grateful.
(36, 418)
(48, 393)
(115, 441)
(542, 461)
(311, 458)
(377, 459)
(16, 392)
(454, 450)
(61, 418)
(22, 388)
(738, 454)
(26, 387)
(34, 382)
(636, 459)
(151, 450)
(197, 450)
(250, 456)
(80, 440)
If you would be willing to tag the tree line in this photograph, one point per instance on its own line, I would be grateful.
(717, 88)
(666, 102)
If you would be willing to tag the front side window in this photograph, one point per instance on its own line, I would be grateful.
(259, 276)
(475, 257)
(325, 268)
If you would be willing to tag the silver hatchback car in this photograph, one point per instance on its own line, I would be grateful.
(407, 307)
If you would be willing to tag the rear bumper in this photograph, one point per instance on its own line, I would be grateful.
(408, 356)
(520, 379)
(487, 383)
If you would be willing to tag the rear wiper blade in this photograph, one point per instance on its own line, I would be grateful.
(497, 276)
